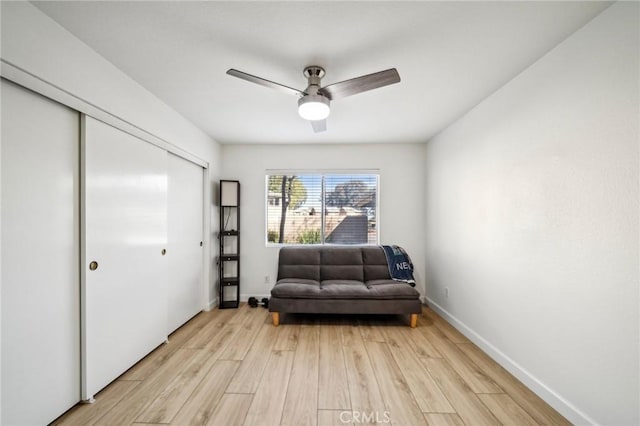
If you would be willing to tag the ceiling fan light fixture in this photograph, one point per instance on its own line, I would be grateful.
(313, 107)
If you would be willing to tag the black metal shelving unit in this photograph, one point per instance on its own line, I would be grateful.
(229, 260)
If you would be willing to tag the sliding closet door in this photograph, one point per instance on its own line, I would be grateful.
(124, 265)
(40, 258)
(185, 241)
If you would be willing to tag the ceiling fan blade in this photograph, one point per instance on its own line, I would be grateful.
(361, 84)
(319, 125)
(264, 82)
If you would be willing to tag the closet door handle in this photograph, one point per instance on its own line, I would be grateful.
(164, 251)
(93, 265)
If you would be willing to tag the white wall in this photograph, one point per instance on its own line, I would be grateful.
(532, 222)
(401, 197)
(37, 44)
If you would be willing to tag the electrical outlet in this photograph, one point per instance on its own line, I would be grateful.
(267, 279)
(446, 292)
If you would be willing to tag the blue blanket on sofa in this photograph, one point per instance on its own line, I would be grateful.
(400, 266)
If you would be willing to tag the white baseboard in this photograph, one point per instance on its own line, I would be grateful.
(564, 407)
(243, 298)
(211, 305)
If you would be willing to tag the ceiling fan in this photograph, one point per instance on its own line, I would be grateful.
(314, 101)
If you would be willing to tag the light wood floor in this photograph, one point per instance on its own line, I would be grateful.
(232, 367)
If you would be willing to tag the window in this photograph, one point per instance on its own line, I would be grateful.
(328, 208)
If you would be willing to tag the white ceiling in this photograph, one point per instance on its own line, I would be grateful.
(450, 56)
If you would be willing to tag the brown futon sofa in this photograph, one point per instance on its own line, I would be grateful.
(339, 280)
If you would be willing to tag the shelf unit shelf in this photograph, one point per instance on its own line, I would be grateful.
(229, 304)
(229, 259)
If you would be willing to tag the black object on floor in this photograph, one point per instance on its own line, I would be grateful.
(253, 302)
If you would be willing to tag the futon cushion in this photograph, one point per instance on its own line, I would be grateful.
(341, 272)
(299, 281)
(392, 290)
(343, 289)
(301, 262)
(375, 264)
(297, 289)
(341, 264)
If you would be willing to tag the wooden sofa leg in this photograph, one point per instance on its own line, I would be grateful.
(414, 320)
(275, 316)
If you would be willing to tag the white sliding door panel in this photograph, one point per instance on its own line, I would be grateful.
(185, 241)
(125, 222)
(40, 258)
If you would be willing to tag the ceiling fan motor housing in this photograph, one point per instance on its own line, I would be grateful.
(313, 106)
(314, 74)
